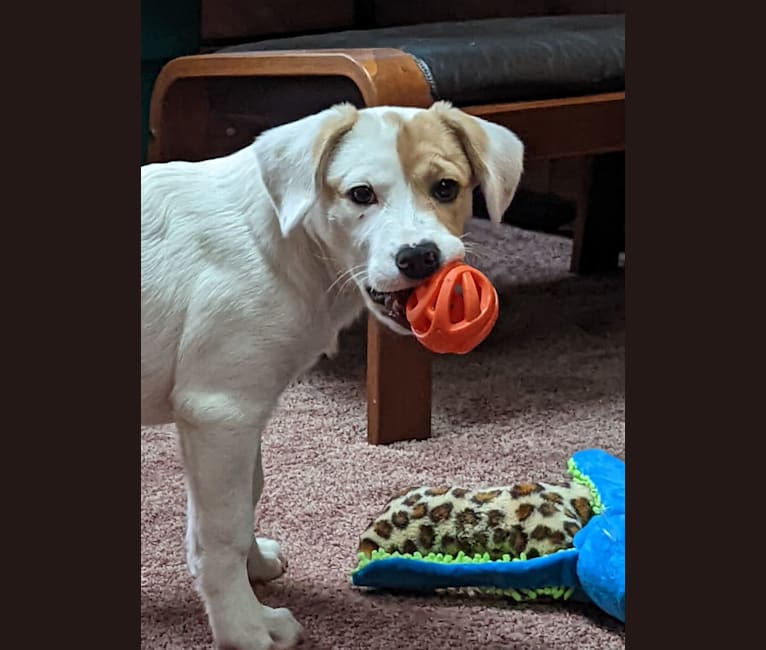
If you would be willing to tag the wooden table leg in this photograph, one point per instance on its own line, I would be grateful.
(398, 387)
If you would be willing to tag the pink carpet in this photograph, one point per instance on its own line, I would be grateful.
(548, 381)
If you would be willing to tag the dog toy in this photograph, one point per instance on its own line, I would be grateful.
(528, 541)
(454, 310)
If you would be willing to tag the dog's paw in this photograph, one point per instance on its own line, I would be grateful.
(267, 562)
(285, 631)
(271, 629)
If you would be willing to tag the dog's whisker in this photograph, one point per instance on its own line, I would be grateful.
(326, 259)
(346, 272)
(474, 255)
(343, 277)
(339, 279)
(358, 277)
(476, 247)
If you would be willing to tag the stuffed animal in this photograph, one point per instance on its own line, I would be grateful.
(528, 541)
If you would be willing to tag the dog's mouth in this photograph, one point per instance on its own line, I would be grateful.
(393, 304)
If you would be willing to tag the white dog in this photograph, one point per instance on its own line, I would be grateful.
(252, 263)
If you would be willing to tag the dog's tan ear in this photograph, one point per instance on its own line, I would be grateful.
(293, 160)
(496, 155)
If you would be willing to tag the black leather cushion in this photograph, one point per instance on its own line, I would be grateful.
(498, 59)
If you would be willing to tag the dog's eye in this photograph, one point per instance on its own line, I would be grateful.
(445, 190)
(362, 194)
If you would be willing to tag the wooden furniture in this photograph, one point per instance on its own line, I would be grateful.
(211, 104)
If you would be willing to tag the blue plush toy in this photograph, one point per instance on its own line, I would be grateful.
(529, 541)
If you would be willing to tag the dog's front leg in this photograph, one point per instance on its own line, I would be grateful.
(220, 442)
(265, 560)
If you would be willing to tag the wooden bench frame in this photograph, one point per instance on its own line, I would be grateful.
(398, 369)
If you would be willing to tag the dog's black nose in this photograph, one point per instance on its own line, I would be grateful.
(420, 261)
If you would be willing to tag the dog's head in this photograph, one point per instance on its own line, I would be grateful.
(387, 190)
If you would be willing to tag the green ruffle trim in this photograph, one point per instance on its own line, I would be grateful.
(595, 497)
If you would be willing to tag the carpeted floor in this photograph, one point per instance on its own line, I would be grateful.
(548, 381)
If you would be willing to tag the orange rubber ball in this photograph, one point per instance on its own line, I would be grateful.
(454, 310)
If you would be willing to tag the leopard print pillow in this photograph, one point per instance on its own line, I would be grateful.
(524, 521)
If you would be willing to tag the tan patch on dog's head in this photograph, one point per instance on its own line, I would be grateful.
(429, 151)
(471, 136)
(393, 118)
(497, 164)
(340, 122)
(333, 129)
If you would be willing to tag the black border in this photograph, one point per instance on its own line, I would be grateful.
(693, 239)
(72, 457)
